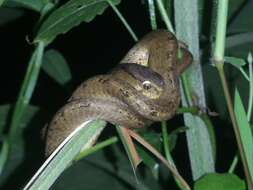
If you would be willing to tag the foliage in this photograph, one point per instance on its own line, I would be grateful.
(50, 26)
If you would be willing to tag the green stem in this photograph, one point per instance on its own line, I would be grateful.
(244, 74)
(187, 89)
(234, 124)
(123, 20)
(193, 110)
(27, 89)
(152, 14)
(166, 141)
(233, 165)
(250, 91)
(218, 58)
(221, 31)
(164, 15)
(96, 148)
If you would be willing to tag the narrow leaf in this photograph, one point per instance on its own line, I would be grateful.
(70, 15)
(198, 138)
(245, 131)
(82, 138)
(215, 181)
(237, 62)
(168, 163)
(56, 67)
(27, 89)
(129, 147)
(3, 154)
(35, 5)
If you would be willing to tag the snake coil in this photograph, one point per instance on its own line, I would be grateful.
(142, 89)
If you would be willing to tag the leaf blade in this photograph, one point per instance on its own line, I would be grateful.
(70, 15)
(55, 65)
(61, 158)
(244, 130)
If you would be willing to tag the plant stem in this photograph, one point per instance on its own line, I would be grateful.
(123, 20)
(249, 111)
(234, 123)
(96, 148)
(164, 15)
(168, 163)
(221, 31)
(218, 59)
(233, 165)
(27, 89)
(152, 14)
(166, 141)
(193, 110)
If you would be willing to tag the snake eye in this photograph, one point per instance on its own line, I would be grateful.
(146, 85)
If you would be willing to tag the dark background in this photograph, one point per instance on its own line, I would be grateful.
(90, 49)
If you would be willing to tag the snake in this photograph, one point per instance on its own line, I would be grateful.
(142, 89)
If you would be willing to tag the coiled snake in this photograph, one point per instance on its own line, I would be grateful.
(142, 89)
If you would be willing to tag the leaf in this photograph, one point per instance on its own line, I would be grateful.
(174, 135)
(129, 147)
(215, 181)
(27, 89)
(29, 113)
(70, 15)
(3, 154)
(17, 154)
(56, 67)
(237, 62)
(8, 14)
(148, 159)
(245, 131)
(35, 5)
(198, 139)
(114, 171)
(83, 137)
(243, 21)
(239, 39)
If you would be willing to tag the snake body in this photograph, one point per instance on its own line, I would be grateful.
(142, 89)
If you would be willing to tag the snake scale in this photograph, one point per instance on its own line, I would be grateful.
(142, 89)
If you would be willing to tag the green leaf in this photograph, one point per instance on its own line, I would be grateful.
(129, 147)
(3, 154)
(58, 161)
(17, 154)
(70, 15)
(35, 5)
(5, 111)
(113, 168)
(27, 89)
(243, 21)
(148, 159)
(174, 135)
(215, 181)
(198, 139)
(56, 67)
(244, 130)
(8, 14)
(237, 62)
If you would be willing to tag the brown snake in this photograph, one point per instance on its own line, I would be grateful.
(142, 89)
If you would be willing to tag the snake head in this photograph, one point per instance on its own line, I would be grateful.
(146, 81)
